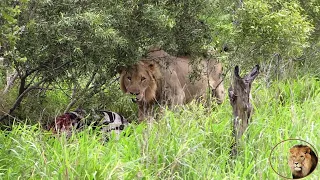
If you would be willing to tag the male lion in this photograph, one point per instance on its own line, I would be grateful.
(302, 161)
(164, 79)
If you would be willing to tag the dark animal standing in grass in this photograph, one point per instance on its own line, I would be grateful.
(239, 93)
(71, 121)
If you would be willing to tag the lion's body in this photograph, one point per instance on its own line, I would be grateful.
(165, 79)
(302, 161)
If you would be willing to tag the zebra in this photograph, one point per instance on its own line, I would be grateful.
(107, 121)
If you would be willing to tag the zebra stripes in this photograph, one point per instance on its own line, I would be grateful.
(107, 121)
(112, 122)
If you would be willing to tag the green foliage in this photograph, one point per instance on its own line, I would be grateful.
(70, 40)
(113, 99)
(97, 37)
(81, 43)
(10, 28)
(6, 101)
(78, 45)
(264, 28)
(189, 143)
(312, 9)
(311, 57)
(73, 48)
(52, 103)
(219, 17)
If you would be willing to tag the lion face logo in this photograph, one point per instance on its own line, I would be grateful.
(302, 161)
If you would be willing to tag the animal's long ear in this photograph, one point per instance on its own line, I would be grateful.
(253, 74)
(237, 72)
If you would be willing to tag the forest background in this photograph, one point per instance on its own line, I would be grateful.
(57, 55)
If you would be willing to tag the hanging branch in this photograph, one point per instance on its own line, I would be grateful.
(74, 99)
(26, 88)
(21, 96)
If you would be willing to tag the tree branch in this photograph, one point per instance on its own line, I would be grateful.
(74, 99)
(19, 99)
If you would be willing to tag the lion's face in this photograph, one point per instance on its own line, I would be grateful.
(300, 160)
(139, 81)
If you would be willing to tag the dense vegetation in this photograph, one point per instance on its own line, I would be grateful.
(188, 144)
(57, 55)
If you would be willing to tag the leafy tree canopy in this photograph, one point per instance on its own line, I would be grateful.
(265, 28)
(79, 44)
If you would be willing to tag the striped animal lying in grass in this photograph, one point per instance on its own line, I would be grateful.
(77, 120)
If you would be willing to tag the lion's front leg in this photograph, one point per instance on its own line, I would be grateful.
(178, 97)
(174, 93)
(145, 111)
(219, 93)
(141, 113)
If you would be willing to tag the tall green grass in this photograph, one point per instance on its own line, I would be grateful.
(190, 143)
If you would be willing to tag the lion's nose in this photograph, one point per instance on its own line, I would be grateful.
(296, 163)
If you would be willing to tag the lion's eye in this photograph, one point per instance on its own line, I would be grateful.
(129, 78)
(143, 78)
(301, 156)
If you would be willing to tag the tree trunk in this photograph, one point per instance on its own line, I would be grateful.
(20, 98)
(11, 78)
(239, 93)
